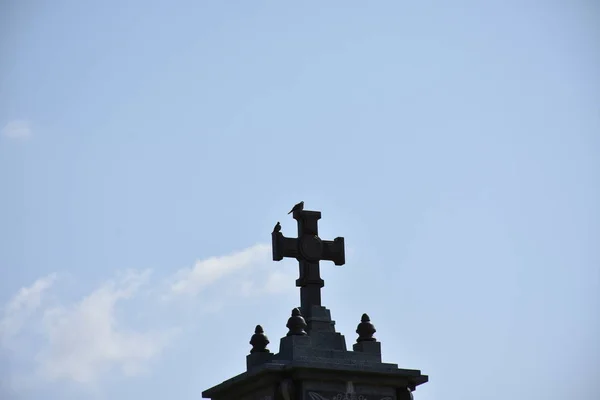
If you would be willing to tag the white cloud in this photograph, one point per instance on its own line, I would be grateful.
(278, 282)
(92, 337)
(18, 129)
(267, 282)
(22, 306)
(191, 281)
(79, 341)
(245, 273)
(85, 340)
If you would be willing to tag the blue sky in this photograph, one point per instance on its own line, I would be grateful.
(148, 148)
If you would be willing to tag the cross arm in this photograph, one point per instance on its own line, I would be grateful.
(333, 250)
(284, 247)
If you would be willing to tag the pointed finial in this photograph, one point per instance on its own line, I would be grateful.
(365, 330)
(296, 324)
(259, 341)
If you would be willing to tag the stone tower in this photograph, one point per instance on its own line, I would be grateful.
(313, 362)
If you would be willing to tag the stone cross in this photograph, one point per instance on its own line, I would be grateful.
(308, 249)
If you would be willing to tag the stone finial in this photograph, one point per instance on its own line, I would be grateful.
(296, 324)
(259, 341)
(365, 330)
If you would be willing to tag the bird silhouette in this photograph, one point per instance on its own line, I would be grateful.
(277, 228)
(297, 207)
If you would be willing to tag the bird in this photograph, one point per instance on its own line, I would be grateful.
(297, 207)
(277, 227)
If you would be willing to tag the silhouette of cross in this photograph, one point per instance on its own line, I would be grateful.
(308, 249)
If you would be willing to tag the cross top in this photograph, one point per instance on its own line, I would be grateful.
(309, 249)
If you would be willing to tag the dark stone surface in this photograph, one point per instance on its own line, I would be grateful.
(258, 358)
(368, 347)
(305, 375)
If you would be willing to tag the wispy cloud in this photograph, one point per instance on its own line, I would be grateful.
(22, 306)
(86, 339)
(191, 281)
(244, 273)
(269, 282)
(17, 129)
(81, 341)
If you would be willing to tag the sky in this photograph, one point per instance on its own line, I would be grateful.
(147, 149)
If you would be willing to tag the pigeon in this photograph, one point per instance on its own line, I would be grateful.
(297, 207)
(277, 228)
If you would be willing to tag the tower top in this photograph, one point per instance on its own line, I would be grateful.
(313, 362)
